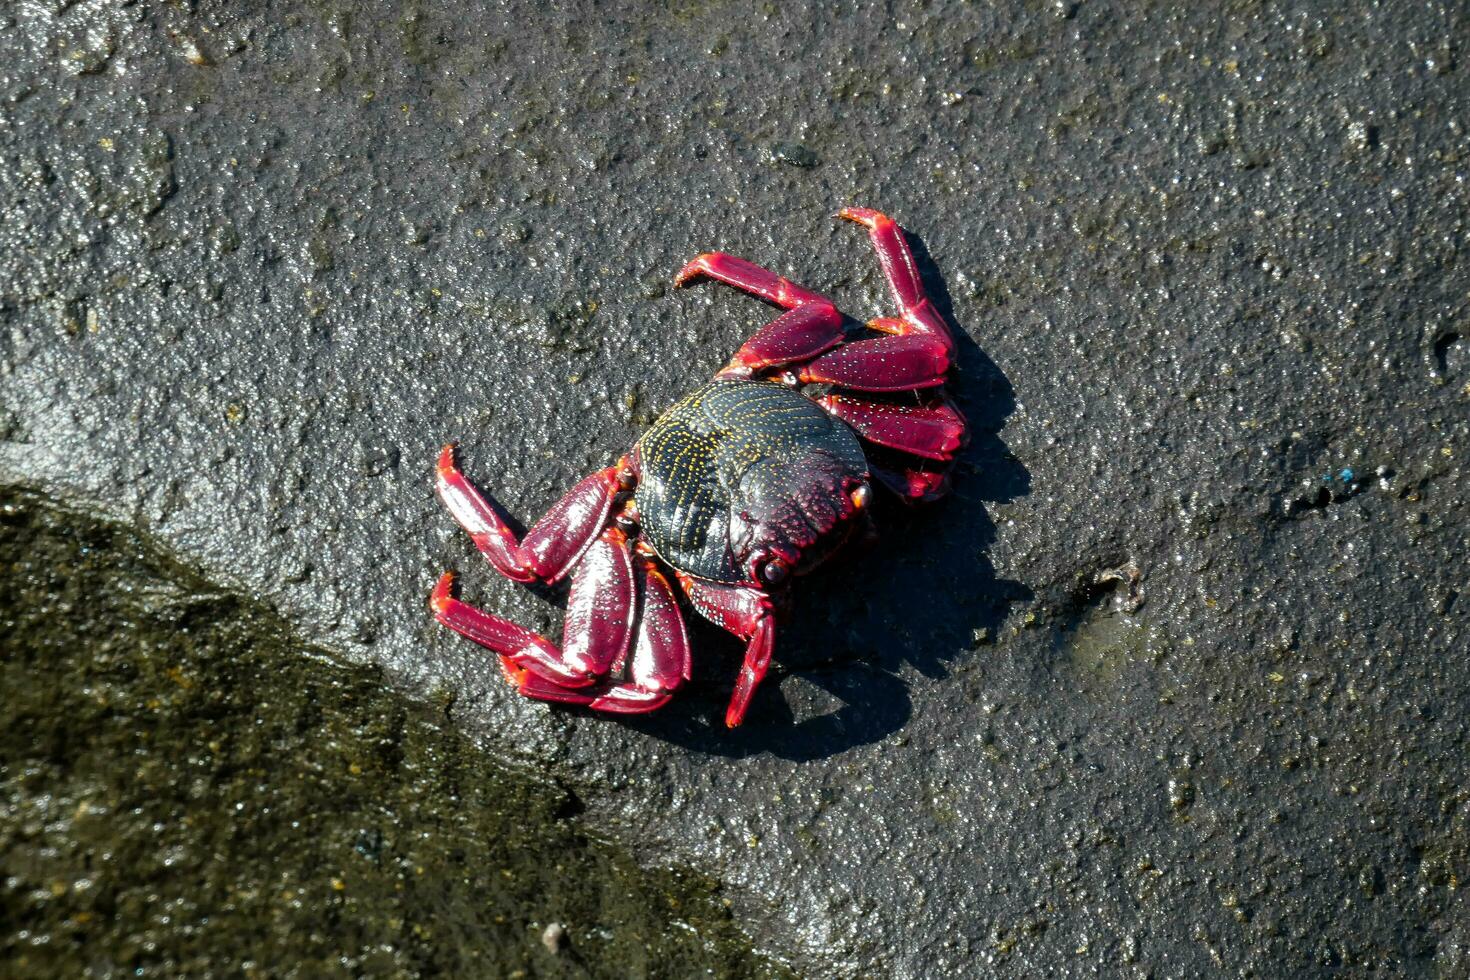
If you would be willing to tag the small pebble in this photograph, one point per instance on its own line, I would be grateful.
(794, 154)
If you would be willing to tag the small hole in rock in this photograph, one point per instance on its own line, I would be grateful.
(1450, 354)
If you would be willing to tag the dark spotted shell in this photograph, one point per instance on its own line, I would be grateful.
(735, 454)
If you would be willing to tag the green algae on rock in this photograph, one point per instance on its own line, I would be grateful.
(188, 790)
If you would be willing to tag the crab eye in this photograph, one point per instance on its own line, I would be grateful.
(774, 572)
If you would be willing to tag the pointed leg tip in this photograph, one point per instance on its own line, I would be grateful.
(734, 371)
(514, 674)
(863, 216)
(934, 490)
(442, 594)
(692, 270)
(629, 701)
(445, 462)
(735, 713)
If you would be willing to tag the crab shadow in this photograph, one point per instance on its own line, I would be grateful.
(924, 596)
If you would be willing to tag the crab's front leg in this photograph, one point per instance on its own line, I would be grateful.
(554, 543)
(659, 664)
(750, 615)
(595, 636)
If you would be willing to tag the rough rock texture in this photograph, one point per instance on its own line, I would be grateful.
(258, 262)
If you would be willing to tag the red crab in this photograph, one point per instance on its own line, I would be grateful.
(746, 484)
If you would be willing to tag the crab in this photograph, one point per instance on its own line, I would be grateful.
(747, 484)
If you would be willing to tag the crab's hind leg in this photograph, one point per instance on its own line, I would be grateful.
(750, 278)
(934, 431)
(810, 325)
(796, 335)
(920, 348)
(553, 544)
(596, 634)
(748, 614)
(916, 311)
(913, 360)
(882, 364)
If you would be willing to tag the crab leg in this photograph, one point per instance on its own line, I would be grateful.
(660, 661)
(913, 484)
(595, 636)
(748, 614)
(796, 335)
(552, 545)
(899, 363)
(600, 608)
(520, 649)
(933, 431)
(916, 313)
(748, 277)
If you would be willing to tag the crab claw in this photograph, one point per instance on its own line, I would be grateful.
(659, 663)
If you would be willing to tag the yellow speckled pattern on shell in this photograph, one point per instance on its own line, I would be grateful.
(728, 454)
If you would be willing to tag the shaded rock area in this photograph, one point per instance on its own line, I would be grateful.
(189, 791)
(1174, 683)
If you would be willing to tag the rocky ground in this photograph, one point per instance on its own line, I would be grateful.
(1173, 684)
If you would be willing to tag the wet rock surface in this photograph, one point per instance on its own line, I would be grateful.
(1174, 682)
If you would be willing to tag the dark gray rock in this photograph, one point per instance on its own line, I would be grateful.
(257, 263)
